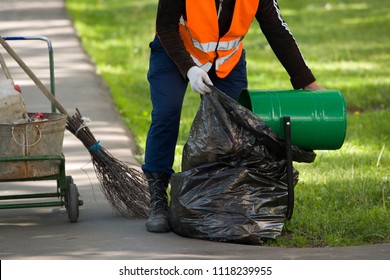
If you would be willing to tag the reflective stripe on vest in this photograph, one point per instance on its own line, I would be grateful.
(200, 34)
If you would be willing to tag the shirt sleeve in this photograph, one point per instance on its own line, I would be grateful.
(167, 29)
(283, 43)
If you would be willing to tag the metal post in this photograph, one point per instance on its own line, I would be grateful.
(290, 175)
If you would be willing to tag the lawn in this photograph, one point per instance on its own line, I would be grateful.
(343, 198)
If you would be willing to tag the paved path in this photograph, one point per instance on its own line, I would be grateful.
(45, 233)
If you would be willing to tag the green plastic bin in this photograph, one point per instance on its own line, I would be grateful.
(318, 118)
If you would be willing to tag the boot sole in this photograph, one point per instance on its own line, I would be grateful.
(158, 229)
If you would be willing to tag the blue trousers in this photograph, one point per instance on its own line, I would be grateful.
(167, 90)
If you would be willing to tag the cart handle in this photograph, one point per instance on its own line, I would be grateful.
(33, 77)
(51, 59)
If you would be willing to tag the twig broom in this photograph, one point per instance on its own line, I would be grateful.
(124, 187)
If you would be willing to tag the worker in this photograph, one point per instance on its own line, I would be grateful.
(200, 42)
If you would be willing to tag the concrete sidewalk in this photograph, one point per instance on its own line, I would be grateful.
(45, 233)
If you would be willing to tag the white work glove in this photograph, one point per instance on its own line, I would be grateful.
(199, 80)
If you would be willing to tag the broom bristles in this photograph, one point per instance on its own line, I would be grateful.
(124, 187)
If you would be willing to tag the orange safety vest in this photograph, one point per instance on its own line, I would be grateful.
(200, 34)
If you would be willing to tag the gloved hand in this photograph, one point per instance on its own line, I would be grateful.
(199, 80)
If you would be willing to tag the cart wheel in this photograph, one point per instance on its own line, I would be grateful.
(72, 195)
(69, 181)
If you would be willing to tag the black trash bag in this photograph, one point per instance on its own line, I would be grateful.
(233, 184)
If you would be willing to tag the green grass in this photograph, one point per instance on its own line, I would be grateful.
(343, 198)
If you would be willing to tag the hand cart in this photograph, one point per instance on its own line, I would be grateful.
(33, 152)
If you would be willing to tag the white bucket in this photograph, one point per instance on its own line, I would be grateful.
(12, 107)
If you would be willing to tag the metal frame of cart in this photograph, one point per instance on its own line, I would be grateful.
(66, 192)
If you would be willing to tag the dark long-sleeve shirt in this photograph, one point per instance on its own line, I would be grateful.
(271, 23)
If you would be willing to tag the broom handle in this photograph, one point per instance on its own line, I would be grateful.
(5, 68)
(33, 77)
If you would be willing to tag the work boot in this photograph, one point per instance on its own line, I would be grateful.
(158, 215)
